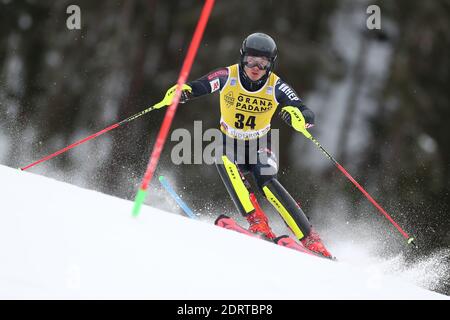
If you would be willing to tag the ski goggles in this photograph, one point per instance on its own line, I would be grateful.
(262, 63)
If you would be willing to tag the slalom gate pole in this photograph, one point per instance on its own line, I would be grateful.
(177, 198)
(170, 113)
(95, 135)
(302, 129)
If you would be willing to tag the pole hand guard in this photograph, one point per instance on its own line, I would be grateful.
(297, 120)
(170, 94)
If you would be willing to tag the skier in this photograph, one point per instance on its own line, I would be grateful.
(249, 95)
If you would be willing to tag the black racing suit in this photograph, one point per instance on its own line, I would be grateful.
(266, 167)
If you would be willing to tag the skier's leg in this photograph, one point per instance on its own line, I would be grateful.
(265, 172)
(238, 188)
(231, 178)
(286, 206)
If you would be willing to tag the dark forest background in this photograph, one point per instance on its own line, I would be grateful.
(59, 85)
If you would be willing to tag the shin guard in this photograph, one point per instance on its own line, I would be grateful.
(231, 177)
(291, 212)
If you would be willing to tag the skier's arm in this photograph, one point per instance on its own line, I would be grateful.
(287, 97)
(209, 83)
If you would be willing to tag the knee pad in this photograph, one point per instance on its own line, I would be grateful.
(266, 167)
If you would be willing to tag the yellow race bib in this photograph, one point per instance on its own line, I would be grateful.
(246, 115)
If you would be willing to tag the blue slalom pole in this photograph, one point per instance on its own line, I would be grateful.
(177, 198)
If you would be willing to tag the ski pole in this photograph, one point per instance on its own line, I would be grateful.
(300, 126)
(160, 104)
(170, 113)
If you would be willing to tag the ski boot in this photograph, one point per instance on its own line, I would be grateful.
(313, 243)
(260, 224)
(258, 220)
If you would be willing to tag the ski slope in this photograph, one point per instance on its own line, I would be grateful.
(58, 241)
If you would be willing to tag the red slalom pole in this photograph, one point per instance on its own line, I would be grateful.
(164, 130)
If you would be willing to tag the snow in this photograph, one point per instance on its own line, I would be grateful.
(59, 241)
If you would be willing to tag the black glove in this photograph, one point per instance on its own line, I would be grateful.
(309, 117)
(185, 96)
(285, 116)
(307, 114)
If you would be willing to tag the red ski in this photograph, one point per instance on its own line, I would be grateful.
(230, 224)
(288, 242)
(226, 222)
